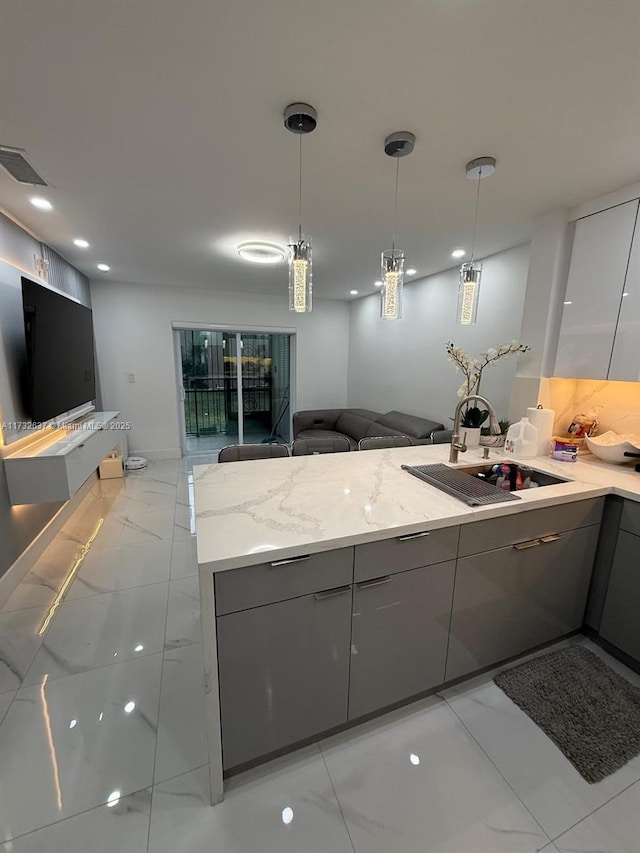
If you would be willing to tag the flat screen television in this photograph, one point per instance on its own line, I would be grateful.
(60, 352)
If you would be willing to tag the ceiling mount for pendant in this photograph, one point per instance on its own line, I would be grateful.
(400, 143)
(481, 167)
(300, 118)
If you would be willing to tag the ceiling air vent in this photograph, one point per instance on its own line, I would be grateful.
(18, 166)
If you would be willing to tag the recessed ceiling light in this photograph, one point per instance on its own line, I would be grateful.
(568, 303)
(258, 252)
(378, 283)
(625, 294)
(113, 799)
(458, 253)
(41, 203)
(104, 267)
(353, 292)
(411, 271)
(80, 243)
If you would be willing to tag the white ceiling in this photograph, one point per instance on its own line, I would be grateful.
(159, 124)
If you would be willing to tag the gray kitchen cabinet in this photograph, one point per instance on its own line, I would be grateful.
(620, 623)
(399, 636)
(514, 598)
(283, 673)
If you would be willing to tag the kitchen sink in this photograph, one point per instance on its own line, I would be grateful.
(475, 484)
(539, 477)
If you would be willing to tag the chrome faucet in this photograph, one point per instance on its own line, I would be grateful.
(494, 427)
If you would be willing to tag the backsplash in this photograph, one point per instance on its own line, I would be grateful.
(618, 403)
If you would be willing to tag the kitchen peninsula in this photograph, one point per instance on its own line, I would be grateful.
(335, 586)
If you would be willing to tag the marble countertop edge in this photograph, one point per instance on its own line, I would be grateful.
(244, 519)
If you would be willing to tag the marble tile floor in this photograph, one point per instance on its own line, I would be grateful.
(103, 745)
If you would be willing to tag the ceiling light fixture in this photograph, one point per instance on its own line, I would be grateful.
(104, 267)
(259, 252)
(471, 272)
(377, 283)
(458, 253)
(300, 119)
(80, 243)
(411, 271)
(41, 203)
(353, 292)
(397, 145)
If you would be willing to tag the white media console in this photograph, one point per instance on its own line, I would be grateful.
(54, 467)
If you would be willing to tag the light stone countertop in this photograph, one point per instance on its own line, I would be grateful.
(267, 509)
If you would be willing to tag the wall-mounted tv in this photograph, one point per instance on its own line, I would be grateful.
(60, 352)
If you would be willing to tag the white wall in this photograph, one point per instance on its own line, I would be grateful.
(133, 335)
(403, 364)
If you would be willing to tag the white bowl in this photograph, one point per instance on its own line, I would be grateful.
(612, 446)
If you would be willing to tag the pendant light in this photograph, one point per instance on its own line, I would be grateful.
(471, 272)
(397, 145)
(300, 119)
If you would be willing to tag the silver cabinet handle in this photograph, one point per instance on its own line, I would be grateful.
(531, 543)
(330, 593)
(375, 582)
(413, 536)
(290, 560)
(552, 538)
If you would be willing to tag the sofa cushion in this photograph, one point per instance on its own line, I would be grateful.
(326, 433)
(410, 425)
(354, 424)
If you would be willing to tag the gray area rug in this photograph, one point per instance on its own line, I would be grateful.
(589, 711)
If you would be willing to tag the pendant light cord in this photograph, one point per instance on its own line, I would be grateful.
(475, 217)
(395, 210)
(300, 196)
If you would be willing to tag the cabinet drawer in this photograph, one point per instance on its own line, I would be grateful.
(284, 674)
(494, 533)
(405, 552)
(279, 580)
(630, 520)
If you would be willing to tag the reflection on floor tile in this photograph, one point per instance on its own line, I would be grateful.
(182, 736)
(614, 828)
(71, 744)
(102, 629)
(19, 643)
(40, 586)
(547, 783)
(416, 781)
(289, 809)
(111, 569)
(119, 827)
(183, 613)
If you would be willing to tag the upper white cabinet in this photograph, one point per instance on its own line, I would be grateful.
(625, 362)
(596, 282)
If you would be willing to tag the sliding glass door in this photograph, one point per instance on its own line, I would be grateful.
(236, 388)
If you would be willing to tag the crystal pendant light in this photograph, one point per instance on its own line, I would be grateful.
(471, 271)
(300, 119)
(397, 145)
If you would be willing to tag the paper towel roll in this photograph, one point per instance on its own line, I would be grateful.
(543, 420)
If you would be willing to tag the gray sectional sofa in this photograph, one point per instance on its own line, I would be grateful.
(355, 424)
